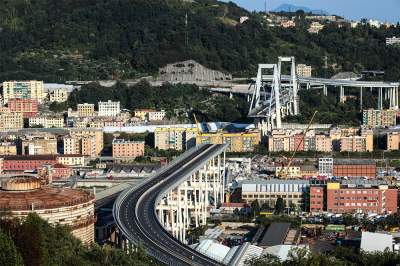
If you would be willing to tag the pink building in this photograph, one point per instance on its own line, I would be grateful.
(28, 107)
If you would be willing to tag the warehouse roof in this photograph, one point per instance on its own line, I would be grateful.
(275, 235)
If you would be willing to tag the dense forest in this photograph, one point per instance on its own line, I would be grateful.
(119, 39)
(34, 242)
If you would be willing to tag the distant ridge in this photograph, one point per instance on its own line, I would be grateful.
(293, 8)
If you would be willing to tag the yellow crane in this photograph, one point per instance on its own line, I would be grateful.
(283, 172)
(197, 124)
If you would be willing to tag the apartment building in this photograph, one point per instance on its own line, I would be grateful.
(323, 143)
(379, 118)
(149, 114)
(237, 142)
(353, 144)
(393, 141)
(85, 109)
(10, 121)
(72, 145)
(279, 141)
(175, 138)
(23, 90)
(354, 168)
(58, 95)
(393, 41)
(124, 149)
(47, 121)
(303, 70)
(291, 140)
(315, 27)
(268, 191)
(73, 160)
(84, 141)
(27, 107)
(109, 108)
(8, 148)
(288, 24)
(325, 166)
(355, 196)
(21, 163)
(39, 145)
(291, 171)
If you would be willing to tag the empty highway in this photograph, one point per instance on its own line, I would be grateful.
(135, 213)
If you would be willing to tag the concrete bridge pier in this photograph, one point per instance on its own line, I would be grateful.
(380, 101)
(342, 97)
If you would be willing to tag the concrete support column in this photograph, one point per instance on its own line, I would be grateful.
(341, 99)
(361, 98)
(380, 101)
(325, 90)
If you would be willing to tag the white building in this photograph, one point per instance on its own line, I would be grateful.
(157, 115)
(47, 121)
(58, 95)
(392, 41)
(374, 23)
(109, 108)
(325, 166)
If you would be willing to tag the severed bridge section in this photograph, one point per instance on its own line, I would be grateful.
(157, 213)
(274, 96)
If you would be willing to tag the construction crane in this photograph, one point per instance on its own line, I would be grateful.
(197, 125)
(283, 172)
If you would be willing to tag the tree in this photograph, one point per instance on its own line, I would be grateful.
(279, 206)
(348, 219)
(292, 207)
(255, 207)
(9, 255)
(265, 206)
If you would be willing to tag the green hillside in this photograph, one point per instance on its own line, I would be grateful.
(102, 39)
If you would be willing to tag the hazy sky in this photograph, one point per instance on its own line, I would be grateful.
(384, 10)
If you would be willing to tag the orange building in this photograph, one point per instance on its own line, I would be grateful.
(354, 168)
(353, 197)
(127, 149)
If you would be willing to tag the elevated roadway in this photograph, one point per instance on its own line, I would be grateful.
(135, 209)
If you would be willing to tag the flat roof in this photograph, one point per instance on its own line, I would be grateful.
(353, 161)
(274, 181)
(29, 157)
(275, 234)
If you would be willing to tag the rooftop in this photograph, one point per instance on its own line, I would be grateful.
(354, 161)
(122, 141)
(275, 234)
(29, 157)
(44, 198)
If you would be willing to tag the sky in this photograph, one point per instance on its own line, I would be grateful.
(383, 10)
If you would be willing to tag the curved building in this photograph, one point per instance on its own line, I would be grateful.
(71, 207)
